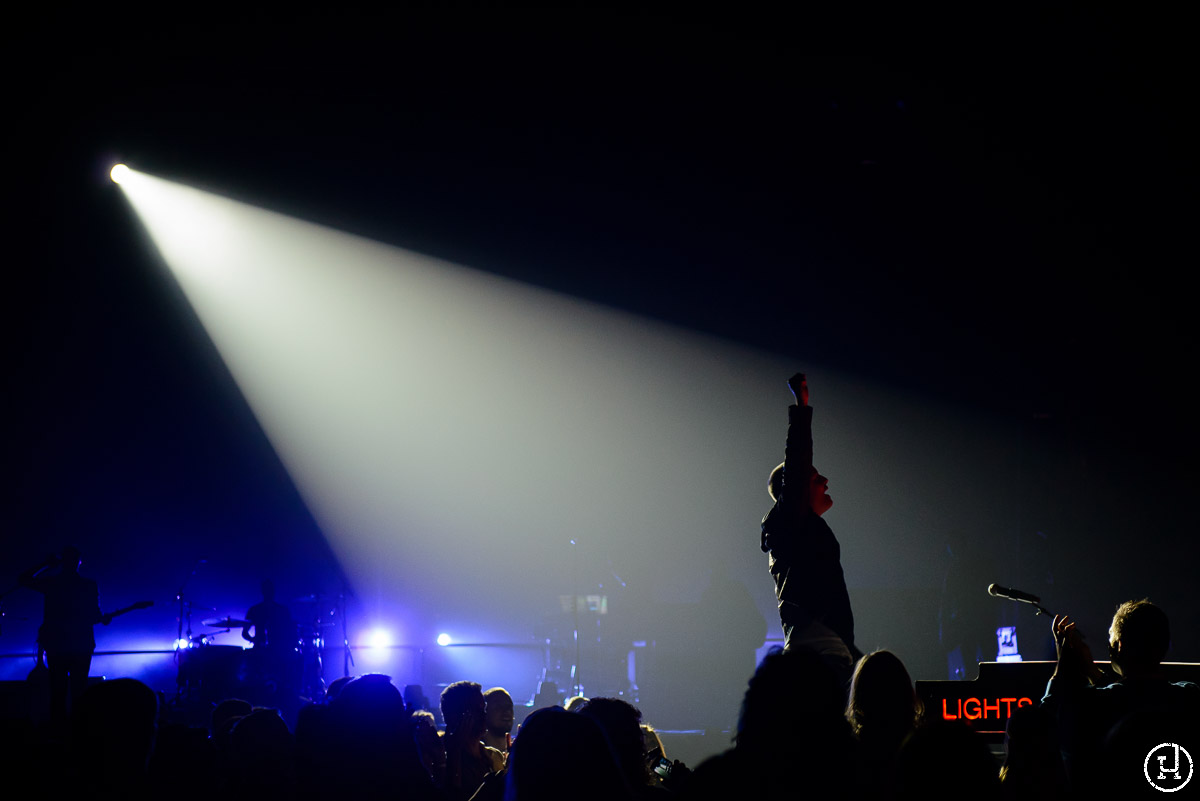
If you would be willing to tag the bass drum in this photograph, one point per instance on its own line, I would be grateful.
(213, 673)
(272, 675)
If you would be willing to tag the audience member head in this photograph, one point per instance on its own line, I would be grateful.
(1138, 638)
(498, 712)
(373, 703)
(262, 729)
(462, 705)
(373, 744)
(882, 700)
(575, 703)
(793, 696)
(115, 723)
(622, 725)
(562, 755)
(414, 697)
(371, 689)
(229, 708)
(336, 686)
(261, 754)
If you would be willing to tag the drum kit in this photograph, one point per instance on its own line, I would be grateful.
(209, 671)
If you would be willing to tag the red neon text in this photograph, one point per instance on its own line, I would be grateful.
(976, 709)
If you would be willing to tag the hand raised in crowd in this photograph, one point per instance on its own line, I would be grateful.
(1073, 653)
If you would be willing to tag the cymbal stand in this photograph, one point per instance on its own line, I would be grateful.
(185, 610)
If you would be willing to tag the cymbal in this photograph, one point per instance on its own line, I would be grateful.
(227, 623)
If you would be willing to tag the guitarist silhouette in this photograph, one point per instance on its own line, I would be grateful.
(71, 609)
(38, 680)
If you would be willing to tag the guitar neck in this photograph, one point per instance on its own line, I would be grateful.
(131, 607)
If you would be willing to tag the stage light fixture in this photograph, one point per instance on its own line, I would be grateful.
(118, 173)
(443, 639)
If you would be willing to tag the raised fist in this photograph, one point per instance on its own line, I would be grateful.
(799, 386)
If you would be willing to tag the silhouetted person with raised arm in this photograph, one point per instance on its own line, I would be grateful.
(805, 557)
(72, 608)
(1088, 707)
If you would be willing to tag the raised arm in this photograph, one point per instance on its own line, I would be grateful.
(28, 578)
(798, 453)
(1075, 666)
(787, 522)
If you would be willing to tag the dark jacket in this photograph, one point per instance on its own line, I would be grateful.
(805, 558)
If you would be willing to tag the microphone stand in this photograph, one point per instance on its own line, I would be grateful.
(1033, 601)
(1041, 610)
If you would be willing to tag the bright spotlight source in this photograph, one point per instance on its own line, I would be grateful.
(443, 639)
(118, 173)
(182, 644)
(379, 639)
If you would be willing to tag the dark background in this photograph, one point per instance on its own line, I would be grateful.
(985, 207)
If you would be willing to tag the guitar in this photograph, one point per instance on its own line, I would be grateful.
(106, 619)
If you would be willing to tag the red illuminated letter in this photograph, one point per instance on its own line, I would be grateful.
(992, 708)
(946, 715)
(1007, 706)
(967, 709)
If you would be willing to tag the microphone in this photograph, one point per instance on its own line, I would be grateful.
(996, 591)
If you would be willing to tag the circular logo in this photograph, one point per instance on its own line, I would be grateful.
(1168, 767)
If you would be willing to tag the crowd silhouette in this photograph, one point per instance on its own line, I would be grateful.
(801, 733)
